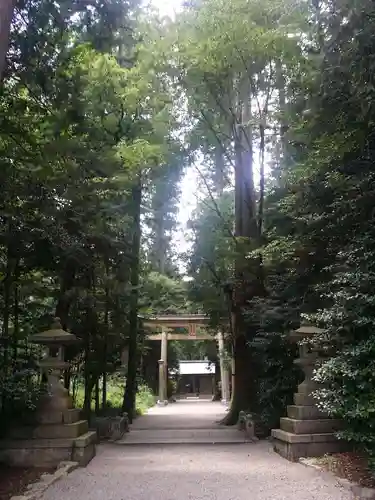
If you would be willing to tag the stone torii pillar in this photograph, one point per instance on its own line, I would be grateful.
(163, 369)
(224, 373)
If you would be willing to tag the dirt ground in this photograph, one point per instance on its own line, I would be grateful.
(14, 480)
(351, 466)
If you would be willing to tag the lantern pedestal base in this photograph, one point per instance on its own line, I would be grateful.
(295, 446)
(306, 432)
(55, 436)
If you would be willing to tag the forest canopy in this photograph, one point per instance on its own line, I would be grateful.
(105, 108)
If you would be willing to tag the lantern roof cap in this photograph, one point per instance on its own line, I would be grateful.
(55, 335)
(308, 329)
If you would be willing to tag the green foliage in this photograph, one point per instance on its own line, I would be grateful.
(332, 219)
(90, 118)
(348, 319)
(211, 262)
(164, 295)
(115, 393)
(82, 121)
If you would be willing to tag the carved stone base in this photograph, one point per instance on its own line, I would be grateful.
(296, 446)
(306, 432)
(54, 437)
(48, 452)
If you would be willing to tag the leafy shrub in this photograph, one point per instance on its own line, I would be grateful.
(276, 375)
(115, 392)
(348, 375)
(20, 391)
(144, 399)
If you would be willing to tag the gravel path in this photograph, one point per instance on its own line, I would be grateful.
(219, 472)
(198, 472)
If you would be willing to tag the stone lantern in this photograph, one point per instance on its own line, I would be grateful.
(57, 432)
(308, 356)
(306, 432)
(53, 364)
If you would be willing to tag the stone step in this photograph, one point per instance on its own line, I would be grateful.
(47, 452)
(294, 446)
(303, 412)
(85, 439)
(324, 425)
(51, 431)
(84, 448)
(290, 437)
(183, 436)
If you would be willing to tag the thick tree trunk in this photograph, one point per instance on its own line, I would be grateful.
(131, 378)
(97, 397)
(246, 232)
(105, 347)
(6, 14)
(89, 385)
(64, 302)
(16, 331)
(8, 284)
(88, 379)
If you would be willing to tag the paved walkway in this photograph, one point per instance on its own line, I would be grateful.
(250, 471)
(184, 422)
(185, 414)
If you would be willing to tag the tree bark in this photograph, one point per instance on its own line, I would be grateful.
(97, 396)
(64, 302)
(6, 14)
(246, 229)
(16, 331)
(131, 378)
(88, 379)
(105, 347)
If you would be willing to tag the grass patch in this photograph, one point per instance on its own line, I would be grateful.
(115, 391)
(144, 400)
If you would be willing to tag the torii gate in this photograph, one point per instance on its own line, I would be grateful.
(191, 322)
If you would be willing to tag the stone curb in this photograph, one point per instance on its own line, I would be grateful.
(34, 491)
(359, 492)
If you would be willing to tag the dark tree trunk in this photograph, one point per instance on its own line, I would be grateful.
(64, 302)
(6, 14)
(247, 232)
(131, 378)
(8, 283)
(97, 397)
(16, 323)
(67, 377)
(89, 383)
(106, 333)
